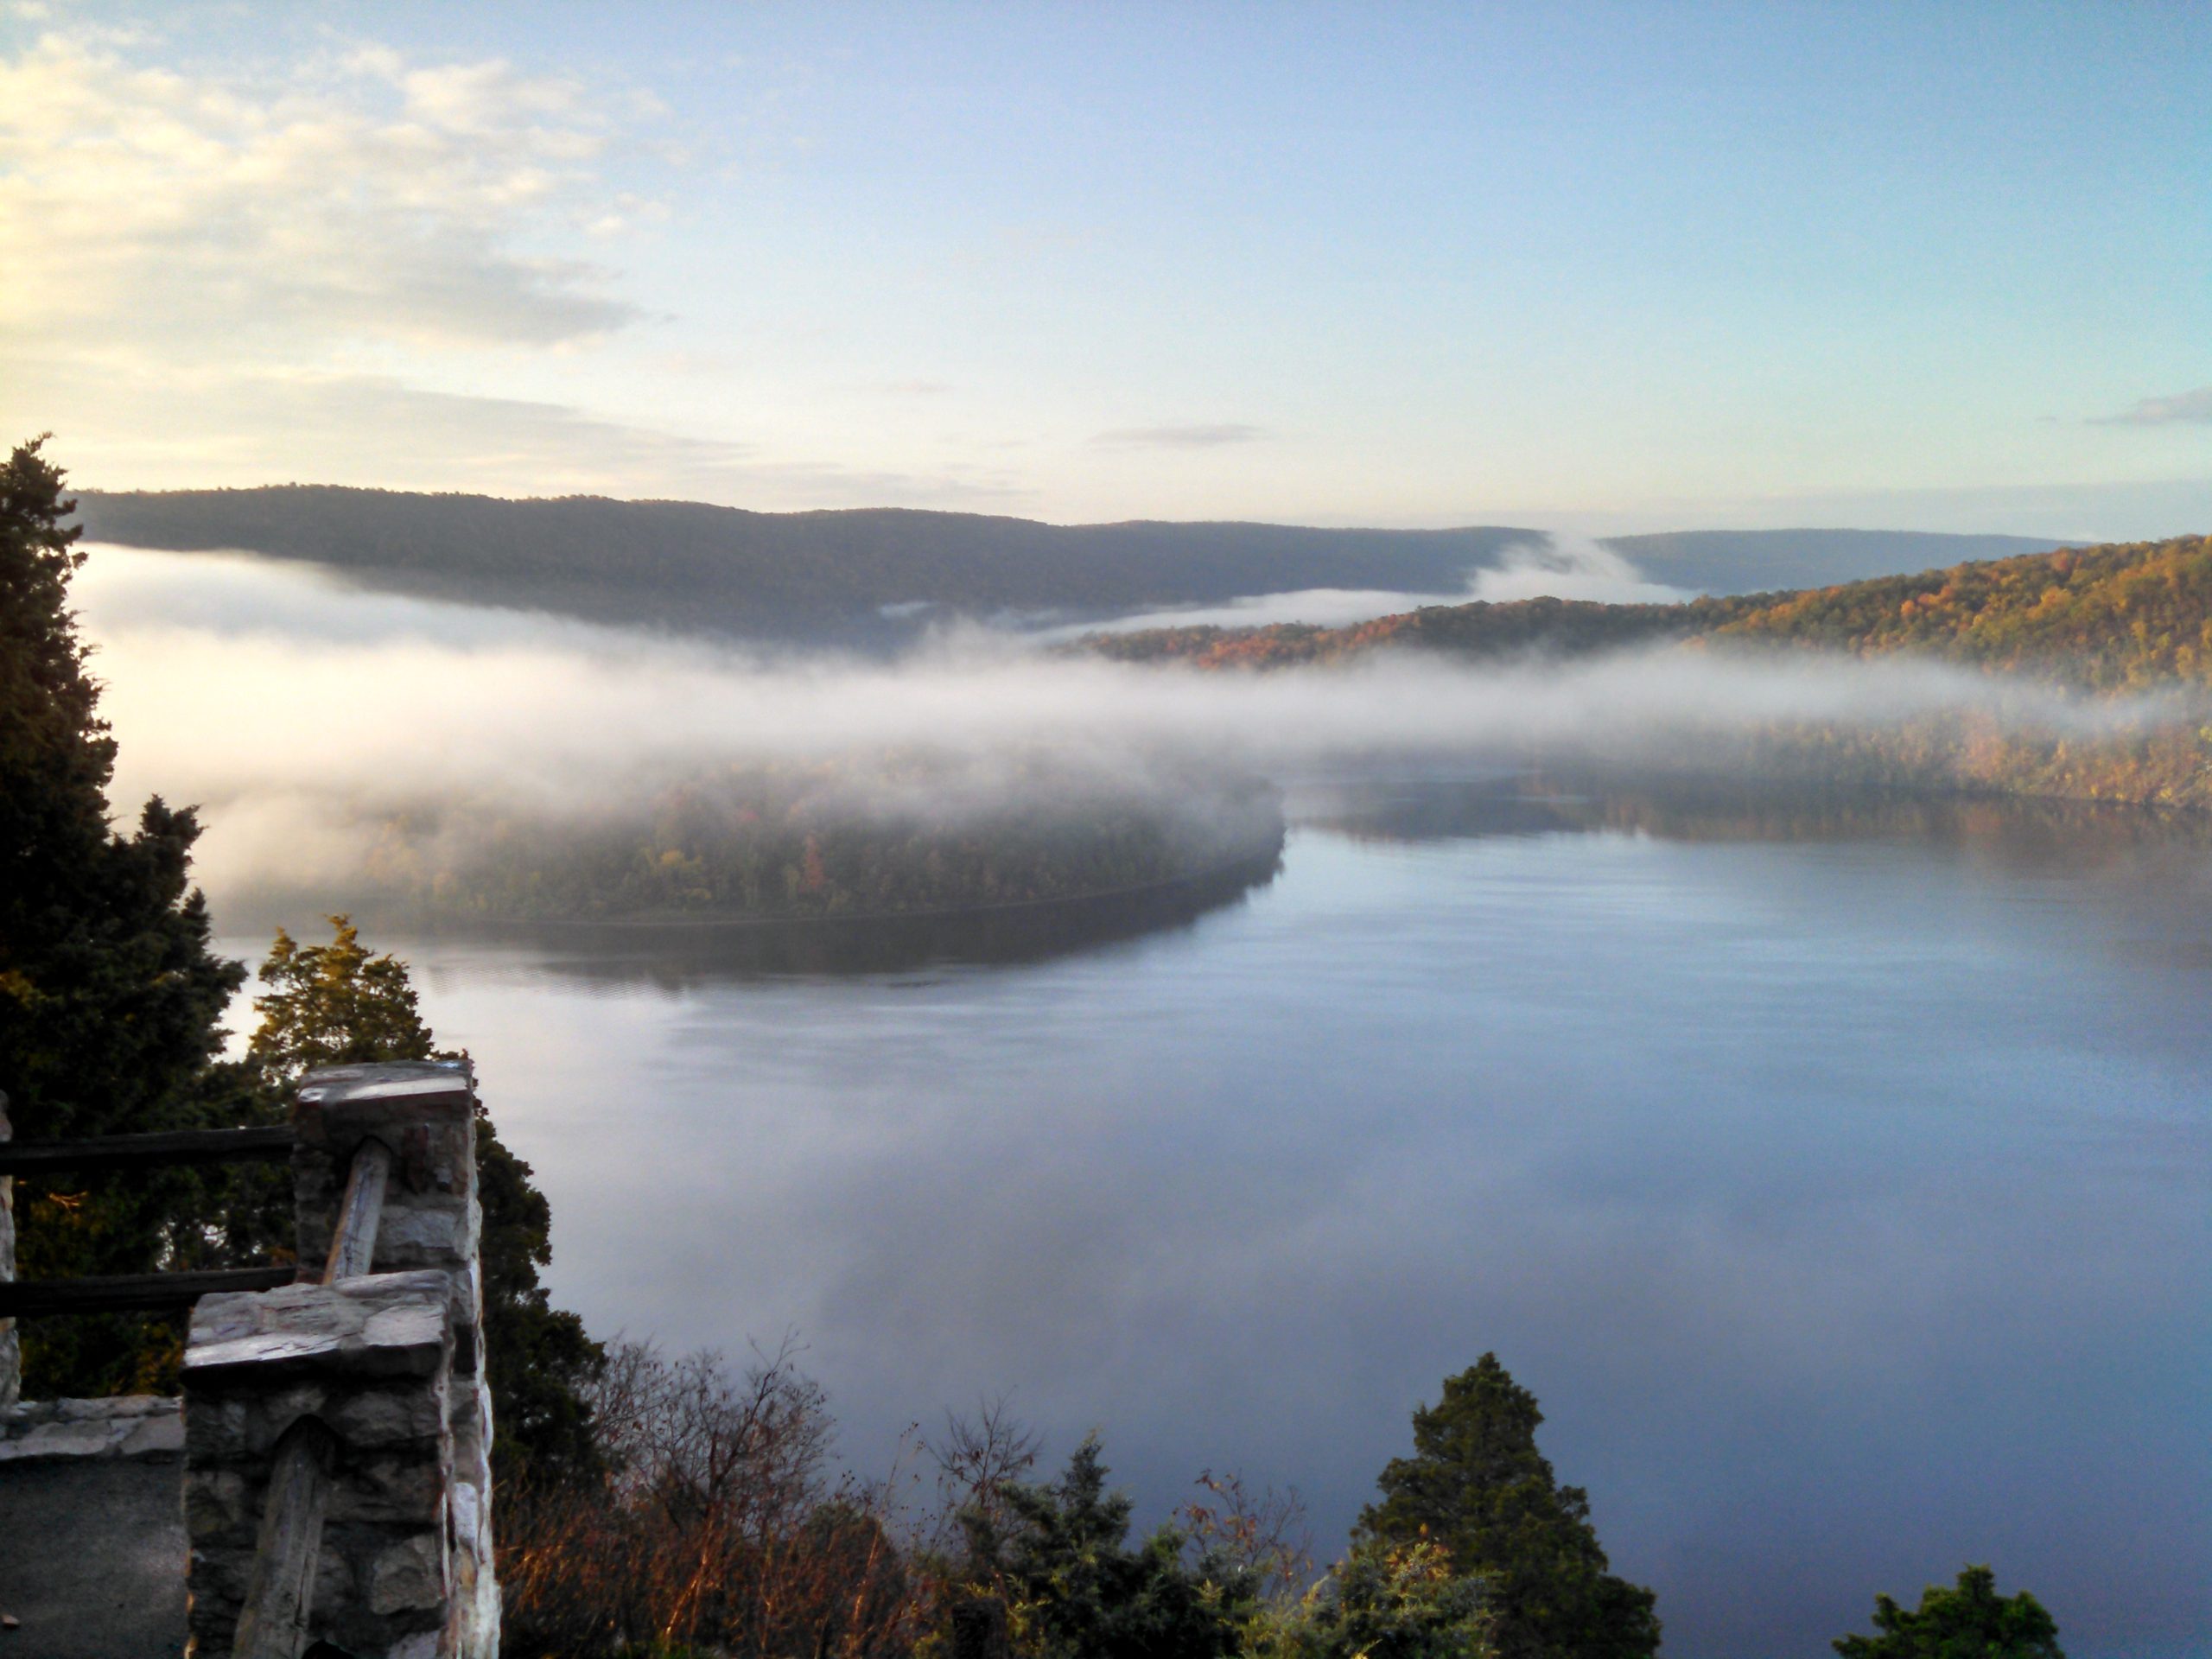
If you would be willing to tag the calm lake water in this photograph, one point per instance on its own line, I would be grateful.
(1836, 1177)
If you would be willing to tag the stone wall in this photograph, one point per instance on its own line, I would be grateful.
(143, 1426)
(12, 1353)
(380, 1373)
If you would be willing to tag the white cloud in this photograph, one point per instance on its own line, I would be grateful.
(2181, 406)
(1181, 437)
(353, 202)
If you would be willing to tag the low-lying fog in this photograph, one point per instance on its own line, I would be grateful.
(1565, 567)
(282, 702)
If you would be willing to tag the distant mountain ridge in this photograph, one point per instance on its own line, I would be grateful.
(689, 565)
(874, 574)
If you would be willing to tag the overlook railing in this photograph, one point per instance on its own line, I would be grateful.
(136, 1291)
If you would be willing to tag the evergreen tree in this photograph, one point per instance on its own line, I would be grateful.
(1058, 1556)
(111, 1000)
(336, 1004)
(1970, 1621)
(1477, 1485)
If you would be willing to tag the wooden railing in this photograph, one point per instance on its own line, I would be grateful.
(140, 1291)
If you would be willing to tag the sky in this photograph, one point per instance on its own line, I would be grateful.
(1605, 268)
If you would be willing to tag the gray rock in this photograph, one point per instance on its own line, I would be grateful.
(383, 1325)
(79, 1439)
(158, 1439)
(409, 1576)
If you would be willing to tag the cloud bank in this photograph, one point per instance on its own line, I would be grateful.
(361, 199)
(287, 707)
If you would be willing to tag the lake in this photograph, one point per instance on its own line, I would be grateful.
(1834, 1172)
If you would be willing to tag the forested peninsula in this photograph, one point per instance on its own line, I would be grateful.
(847, 839)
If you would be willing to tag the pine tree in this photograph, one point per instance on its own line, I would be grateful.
(1058, 1556)
(111, 999)
(1971, 1621)
(1477, 1485)
(336, 1004)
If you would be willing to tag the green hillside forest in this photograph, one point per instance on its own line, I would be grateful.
(2097, 623)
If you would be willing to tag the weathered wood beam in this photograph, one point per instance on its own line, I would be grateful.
(353, 1242)
(271, 1144)
(123, 1293)
(280, 1597)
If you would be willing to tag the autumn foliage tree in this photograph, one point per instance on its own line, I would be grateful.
(714, 1523)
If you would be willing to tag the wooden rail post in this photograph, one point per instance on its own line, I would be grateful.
(353, 1244)
(287, 1552)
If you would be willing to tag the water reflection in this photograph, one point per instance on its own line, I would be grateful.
(1457, 807)
(685, 956)
(1835, 1172)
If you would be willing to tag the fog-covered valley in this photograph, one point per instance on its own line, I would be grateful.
(1637, 1080)
(303, 717)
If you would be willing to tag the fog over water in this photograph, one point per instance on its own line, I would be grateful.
(288, 706)
(1835, 1173)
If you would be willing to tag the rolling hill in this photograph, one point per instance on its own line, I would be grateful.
(2126, 616)
(1749, 560)
(2100, 622)
(872, 575)
(859, 575)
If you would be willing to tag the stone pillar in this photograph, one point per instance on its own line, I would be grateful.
(369, 1361)
(11, 1353)
(426, 1113)
(389, 1364)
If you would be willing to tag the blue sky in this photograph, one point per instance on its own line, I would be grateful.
(1607, 267)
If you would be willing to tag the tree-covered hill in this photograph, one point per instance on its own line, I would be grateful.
(804, 575)
(2125, 617)
(852, 837)
(2122, 617)
(1551, 626)
(873, 574)
(2095, 621)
